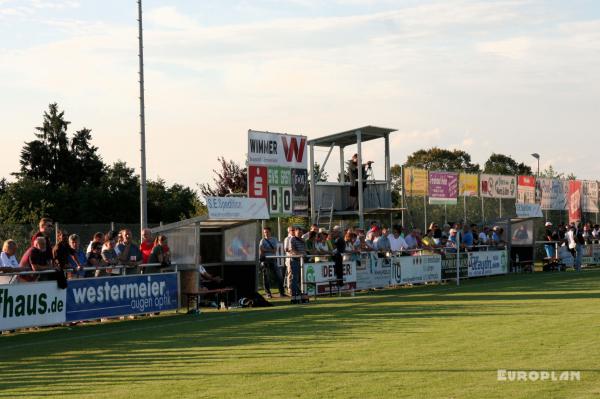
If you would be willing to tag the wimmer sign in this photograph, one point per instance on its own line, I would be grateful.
(39, 304)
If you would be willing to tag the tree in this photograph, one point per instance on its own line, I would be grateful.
(44, 159)
(500, 164)
(87, 164)
(231, 178)
(441, 159)
(320, 174)
(53, 159)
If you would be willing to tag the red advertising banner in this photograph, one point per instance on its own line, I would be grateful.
(258, 179)
(574, 201)
(526, 190)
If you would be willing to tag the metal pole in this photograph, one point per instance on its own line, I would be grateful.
(313, 185)
(500, 199)
(482, 211)
(425, 211)
(445, 213)
(361, 203)
(403, 193)
(458, 257)
(464, 209)
(278, 228)
(143, 189)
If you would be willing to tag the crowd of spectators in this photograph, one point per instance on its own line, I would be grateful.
(106, 254)
(319, 245)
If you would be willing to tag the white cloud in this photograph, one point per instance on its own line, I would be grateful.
(515, 48)
(169, 17)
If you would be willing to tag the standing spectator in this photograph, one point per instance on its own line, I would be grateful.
(322, 247)
(397, 243)
(45, 230)
(127, 252)
(411, 239)
(287, 249)
(428, 243)
(109, 255)
(467, 240)
(437, 233)
(160, 254)
(79, 255)
(596, 232)
(371, 238)
(550, 235)
(98, 237)
(446, 232)
(339, 246)
(8, 258)
(62, 253)
(298, 249)
(311, 241)
(382, 243)
(579, 243)
(483, 238)
(451, 244)
(39, 259)
(587, 233)
(8, 262)
(94, 256)
(146, 245)
(313, 227)
(350, 250)
(266, 247)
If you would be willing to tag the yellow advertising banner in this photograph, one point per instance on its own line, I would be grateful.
(415, 182)
(468, 185)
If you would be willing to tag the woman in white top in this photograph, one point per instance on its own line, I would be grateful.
(8, 262)
(8, 258)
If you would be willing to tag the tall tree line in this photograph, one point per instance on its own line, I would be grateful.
(64, 177)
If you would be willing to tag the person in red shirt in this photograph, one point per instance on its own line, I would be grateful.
(146, 245)
(45, 230)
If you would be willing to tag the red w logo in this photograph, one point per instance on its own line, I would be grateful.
(293, 150)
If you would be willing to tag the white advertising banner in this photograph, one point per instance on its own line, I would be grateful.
(323, 272)
(31, 304)
(528, 210)
(487, 263)
(416, 269)
(498, 186)
(372, 271)
(555, 193)
(589, 196)
(237, 208)
(276, 149)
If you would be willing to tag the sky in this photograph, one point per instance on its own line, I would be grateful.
(511, 77)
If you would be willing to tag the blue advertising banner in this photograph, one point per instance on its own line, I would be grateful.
(95, 298)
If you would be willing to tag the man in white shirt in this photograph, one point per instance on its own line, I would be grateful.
(287, 248)
(397, 243)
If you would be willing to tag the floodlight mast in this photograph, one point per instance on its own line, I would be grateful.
(143, 187)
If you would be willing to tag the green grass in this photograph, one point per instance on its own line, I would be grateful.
(437, 341)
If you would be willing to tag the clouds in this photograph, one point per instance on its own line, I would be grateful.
(507, 70)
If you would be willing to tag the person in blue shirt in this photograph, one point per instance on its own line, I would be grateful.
(80, 255)
(467, 238)
(127, 252)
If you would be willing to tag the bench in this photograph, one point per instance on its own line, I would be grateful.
(552, 263)
(524, 265)
(331, 282)
(197, 295)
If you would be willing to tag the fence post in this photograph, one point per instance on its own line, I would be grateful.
(458, 258)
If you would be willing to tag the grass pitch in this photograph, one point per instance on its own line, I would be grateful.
(437, 341)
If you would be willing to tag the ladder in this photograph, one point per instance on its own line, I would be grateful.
(325, 211)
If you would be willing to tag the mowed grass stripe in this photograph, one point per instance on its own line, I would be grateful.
(432, 341)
